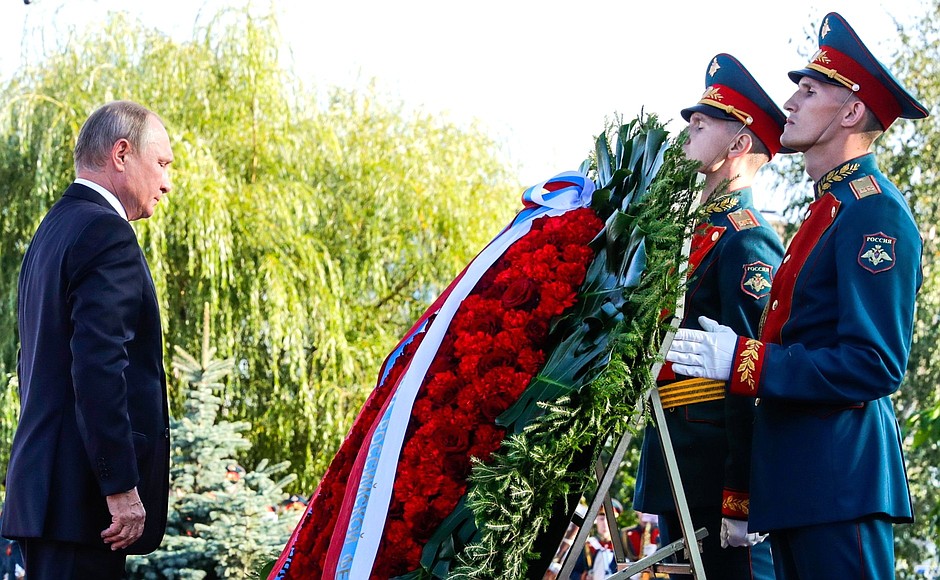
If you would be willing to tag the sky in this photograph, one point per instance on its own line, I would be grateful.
(541, 77)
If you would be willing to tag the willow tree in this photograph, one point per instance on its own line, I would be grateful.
(317, 225)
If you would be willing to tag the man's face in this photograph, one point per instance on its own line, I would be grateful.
(603, 530)
(146, 173)
(812, 109)
(709, 139)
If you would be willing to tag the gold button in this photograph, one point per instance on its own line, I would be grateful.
(833, 212)
(774, 305)
(786, 258)
(714, 236)
(757, 401)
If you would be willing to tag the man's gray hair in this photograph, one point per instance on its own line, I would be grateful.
(103, 128)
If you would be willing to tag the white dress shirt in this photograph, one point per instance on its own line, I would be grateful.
(107, 195)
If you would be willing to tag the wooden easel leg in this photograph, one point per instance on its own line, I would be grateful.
(603, 487)
(690, 537)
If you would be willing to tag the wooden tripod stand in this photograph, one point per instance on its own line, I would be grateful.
(690, 537)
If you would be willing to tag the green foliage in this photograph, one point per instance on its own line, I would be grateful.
(646, 192)
(317, 224)
(222, 521)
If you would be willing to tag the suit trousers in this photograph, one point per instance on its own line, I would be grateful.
(53, 560)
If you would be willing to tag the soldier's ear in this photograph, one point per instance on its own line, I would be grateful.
(854, 113)
(741, 145)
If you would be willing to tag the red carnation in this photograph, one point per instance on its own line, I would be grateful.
(537, 330)
(476, 343)
(423, 411)
(486, 440)
(495, 404)
(424, 524)
(452, 439)
(467, 368)
(482, 315)
(498, 358)
(457, 470)
(442, 389)
(571, 273)
(538, 270)
(530, 361)
(510, 341)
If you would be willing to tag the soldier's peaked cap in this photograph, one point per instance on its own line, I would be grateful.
(731, 93)
(844, 60)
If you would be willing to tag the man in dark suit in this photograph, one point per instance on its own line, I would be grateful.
(88, 477)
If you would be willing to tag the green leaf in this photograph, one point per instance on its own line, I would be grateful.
(602, 150)
(624, 143)
(456, 531)
(636, 267)
(585, 167)
(618, 224)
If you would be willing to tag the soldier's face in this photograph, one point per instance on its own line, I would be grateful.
(813, 114)
(709, 140)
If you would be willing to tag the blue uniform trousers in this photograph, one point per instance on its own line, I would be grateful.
(861, 549)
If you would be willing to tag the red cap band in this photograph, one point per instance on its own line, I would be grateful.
(871, 91)
(734, 103)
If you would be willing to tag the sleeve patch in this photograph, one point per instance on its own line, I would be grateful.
(743, 220)
(864, 186)
(877, 252)
(757, 279)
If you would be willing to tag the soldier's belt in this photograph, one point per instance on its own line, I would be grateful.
(691, 391)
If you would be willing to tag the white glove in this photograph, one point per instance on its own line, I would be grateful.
(707, 354)
(734, 533)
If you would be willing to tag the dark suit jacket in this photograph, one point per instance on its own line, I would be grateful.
(93, 414)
